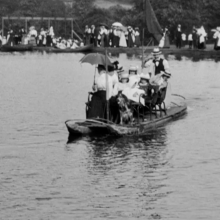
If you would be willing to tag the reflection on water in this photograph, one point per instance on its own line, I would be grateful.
(170, 173)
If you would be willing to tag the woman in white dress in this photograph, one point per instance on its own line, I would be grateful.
(122, 42)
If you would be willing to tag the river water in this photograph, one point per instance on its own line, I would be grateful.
(171, 173)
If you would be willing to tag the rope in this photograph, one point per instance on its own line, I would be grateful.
(179, 96)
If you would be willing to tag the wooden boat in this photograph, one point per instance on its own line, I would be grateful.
(102, 127)
(16, 48)
(86, 48)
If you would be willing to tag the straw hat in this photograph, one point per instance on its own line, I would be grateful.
(133, 68)
(156, 51)
(167, 74)
(145, 76)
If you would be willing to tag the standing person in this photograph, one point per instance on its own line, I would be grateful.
(217, 39)
(202, 38)
(167, 38)
(130, 37)
(178, 36)
(20, 35)
(137, 41)
(195, 38)
(157, 63)
(183, 36)
(98, 102)
(92, 40)
(96, 36)
(87, 35)
(111, 37)
(190, 40)
(122, 42)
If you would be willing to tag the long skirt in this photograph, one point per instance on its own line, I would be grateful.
(137, 41)
(98, 105)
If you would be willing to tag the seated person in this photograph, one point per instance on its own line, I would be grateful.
(158, 85)
(133, 77)
(123, 84)
(144, 82)
(75, 44)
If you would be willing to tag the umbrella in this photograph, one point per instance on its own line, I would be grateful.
(117, 24)
(96, 58)
(123, 28)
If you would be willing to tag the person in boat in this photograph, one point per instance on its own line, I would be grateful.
(133, 76)
(98, 102)
(157, 86)
(178, 36)
(216, 36)
(122, 84)
(157, 63)
(144, 82)
(75, 44)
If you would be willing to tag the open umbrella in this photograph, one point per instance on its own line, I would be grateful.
(96, 58)
(117, 24)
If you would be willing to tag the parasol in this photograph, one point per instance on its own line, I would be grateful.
(117, 24)
(95, 59)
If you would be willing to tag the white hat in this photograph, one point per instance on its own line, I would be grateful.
(218, 29)
(124, 75)
(133, 68)
(145, 76)
(156, 51)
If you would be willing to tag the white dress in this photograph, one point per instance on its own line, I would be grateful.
(122, 42)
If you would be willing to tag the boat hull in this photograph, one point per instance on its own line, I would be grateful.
(86, 48)
(98, 127)
(17, 48)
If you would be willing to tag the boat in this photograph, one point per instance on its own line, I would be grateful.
(97, 127)
(16, 48)
(86, 48)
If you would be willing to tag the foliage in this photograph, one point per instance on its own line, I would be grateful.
(169, 12)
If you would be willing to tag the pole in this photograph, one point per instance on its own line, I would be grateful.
(26, 26)
(142, 51)
(2, 27)
(107, 92)
(72, 29)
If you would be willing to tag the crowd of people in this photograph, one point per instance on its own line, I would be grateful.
(116, 36)
(132, 84)
(41, 38)
(196, 38)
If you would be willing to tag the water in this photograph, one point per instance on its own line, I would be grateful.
(171, 173)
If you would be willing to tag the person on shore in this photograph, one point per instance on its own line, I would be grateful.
(157, 63)
(183, 36)
(87, 35)
(190, 40)
(217, 39)
(130, 37)
(202, 38)
(122, 42)
(195, 38)
(178, 36)
(137, 41)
